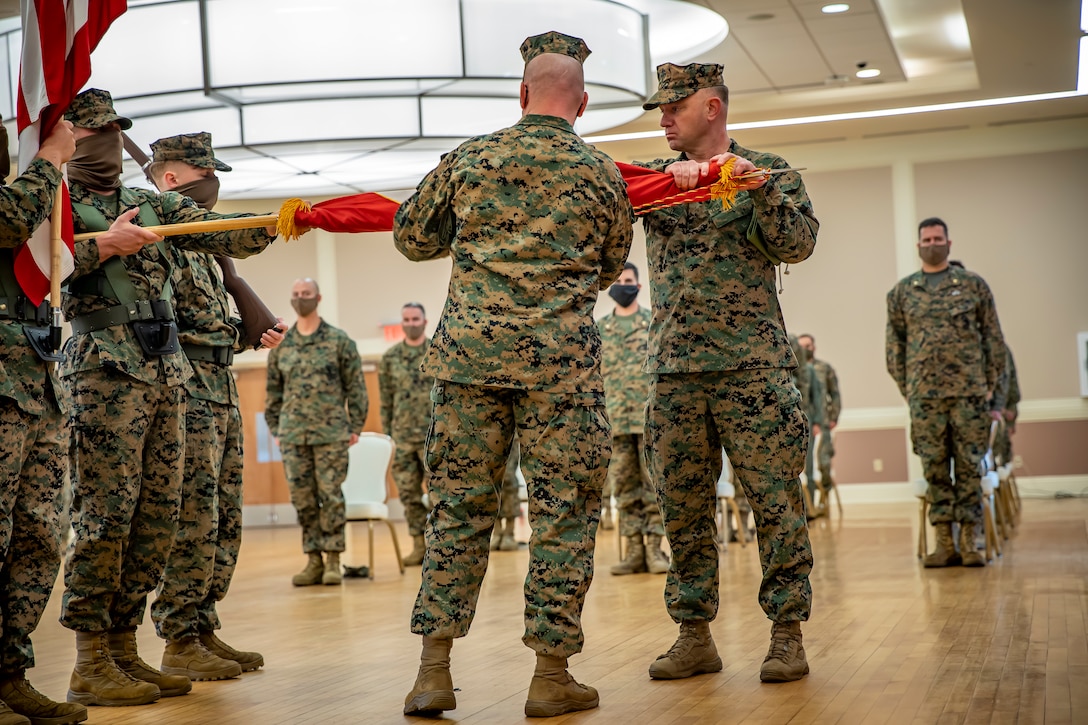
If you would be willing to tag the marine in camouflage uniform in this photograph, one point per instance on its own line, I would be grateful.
(205, 552)
(536, 222)
(33, 445)
(829, 381)
(813, 403)
(721, 365)
(624, 336)
(128, 408)
(406, 414)
(1007, 400)
(945, 351)
(316, 405)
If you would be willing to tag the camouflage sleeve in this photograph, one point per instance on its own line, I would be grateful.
(617, 246)
(423, 227)
(27, 202)
(896, 342)
(1013, 399)
(240, 243)
(86, 258)
(273, 401)
(834, 398)
(1001, 390)
(993, 342)
(784, 214)
(385, 392)
(353, 384)
(818, 407)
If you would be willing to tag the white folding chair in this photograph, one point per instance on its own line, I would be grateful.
(364, 488)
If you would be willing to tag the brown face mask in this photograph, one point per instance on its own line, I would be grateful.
(933, 254)
(304, 305)
(204, 191)
(413, 332)
(97, 161)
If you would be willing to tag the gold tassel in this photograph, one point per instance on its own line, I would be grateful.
(285, 224)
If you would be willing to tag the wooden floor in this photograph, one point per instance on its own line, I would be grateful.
(888, 642)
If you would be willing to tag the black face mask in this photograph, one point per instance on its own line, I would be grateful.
(204, 191)
(623, 294)
(97, 161)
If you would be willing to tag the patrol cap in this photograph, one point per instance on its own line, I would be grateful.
(554, 42)
(93, 108)
(675, 82)
(194, 149)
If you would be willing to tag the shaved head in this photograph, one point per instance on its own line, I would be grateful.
(554, 84)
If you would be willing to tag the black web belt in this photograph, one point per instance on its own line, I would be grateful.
(218, 354)
(138, 311)
(20, 309)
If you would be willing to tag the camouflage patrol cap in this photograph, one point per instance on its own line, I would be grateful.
(194, 149)
(554, 42)
(675, 82)
(93, 108)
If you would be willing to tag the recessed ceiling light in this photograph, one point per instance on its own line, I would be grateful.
(835, 8)
(868, 73)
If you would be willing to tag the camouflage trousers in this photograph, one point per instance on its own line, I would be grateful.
(565, 444)
(636, 498)
(408, 474)
(205, 554)
(128, 445)
(951, 434)
(756, 416)
(510, 495)
(315, 475)
(33, 454)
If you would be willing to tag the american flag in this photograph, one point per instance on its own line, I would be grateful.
(58, 39)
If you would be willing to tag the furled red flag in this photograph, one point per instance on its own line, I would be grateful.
(367, 212)
(58, 38)
(649, 190)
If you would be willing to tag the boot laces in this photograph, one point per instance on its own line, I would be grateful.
(781, 646)
(683, 645)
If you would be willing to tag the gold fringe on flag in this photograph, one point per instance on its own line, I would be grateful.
(285, 223)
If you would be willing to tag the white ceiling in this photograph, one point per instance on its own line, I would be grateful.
(786, 59)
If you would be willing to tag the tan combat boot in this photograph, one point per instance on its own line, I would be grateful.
(433, 691)
(508, 542)
(332, 573)
(34, 707)
(606, 518)
(248, 661)
(10, 717)
(785, 660)
(657, 561)
(312, 574)
(189, 657)
(968, 548)
(945, 554)
(553, 691)
(496, 535)
(635, 561)
(123, 651)
(419, 548)
(97, 680)
(693, 653)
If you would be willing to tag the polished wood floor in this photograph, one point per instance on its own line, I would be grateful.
(888, 642)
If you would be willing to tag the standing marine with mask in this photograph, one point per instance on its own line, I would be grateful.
(406, 415)
(205, 552)
(625, 335)
(945, 351)
(124, 373)
(316, 406)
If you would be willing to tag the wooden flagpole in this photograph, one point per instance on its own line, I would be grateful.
(202, 227)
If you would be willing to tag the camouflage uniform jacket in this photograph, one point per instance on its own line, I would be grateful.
(116, 347)
(202, 309)
(945, 341)
(714, 299)
(808, 384)
(1007, 392)
(829, 381)
(405, 392)
(24, 205)
(316, 390)
(537, 222)
(623, 353)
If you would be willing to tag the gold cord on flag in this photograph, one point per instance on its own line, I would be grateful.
(285, 224)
